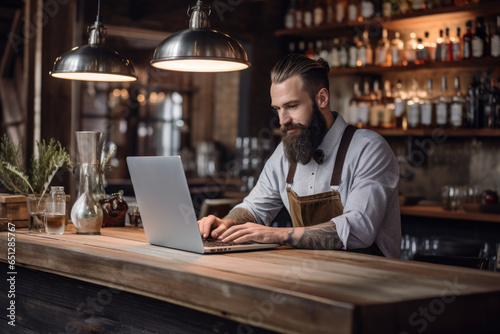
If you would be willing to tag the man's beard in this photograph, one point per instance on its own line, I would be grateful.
(301, 144)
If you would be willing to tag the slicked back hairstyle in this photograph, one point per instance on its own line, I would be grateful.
(313, 73)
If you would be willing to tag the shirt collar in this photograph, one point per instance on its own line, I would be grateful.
(332, 138)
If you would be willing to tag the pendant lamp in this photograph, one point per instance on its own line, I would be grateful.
(199, 48)
(95, 61)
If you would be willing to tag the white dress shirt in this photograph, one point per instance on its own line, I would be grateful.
(368, 188)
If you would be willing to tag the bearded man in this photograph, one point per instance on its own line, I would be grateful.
(339, 183)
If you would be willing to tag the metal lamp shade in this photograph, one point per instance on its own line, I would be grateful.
(200, 50)
(93, 62)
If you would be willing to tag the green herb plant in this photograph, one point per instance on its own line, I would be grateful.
(18, 180)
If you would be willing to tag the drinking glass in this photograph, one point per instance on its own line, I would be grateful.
(36, 209)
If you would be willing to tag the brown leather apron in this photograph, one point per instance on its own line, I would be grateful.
(320, 208)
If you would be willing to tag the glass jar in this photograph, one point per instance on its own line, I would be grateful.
(55, 211)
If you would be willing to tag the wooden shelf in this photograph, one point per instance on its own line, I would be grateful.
(470, 64)
(410, 20)
(438, 212)
(439, 132)
(431, 132)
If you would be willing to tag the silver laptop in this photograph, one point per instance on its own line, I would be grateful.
(167, 212)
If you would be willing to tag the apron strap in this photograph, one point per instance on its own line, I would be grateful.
(291, 172)
(341, 153)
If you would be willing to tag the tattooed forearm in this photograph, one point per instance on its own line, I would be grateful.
(322, 236)
(240, 216)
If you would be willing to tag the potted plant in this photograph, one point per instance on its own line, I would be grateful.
(32, 183)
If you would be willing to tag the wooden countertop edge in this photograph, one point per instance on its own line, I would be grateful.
(282, 319)
(438, 212)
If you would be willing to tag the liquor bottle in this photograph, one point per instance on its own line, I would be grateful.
(361, 52)
(417, 5)
(430, 48)
(495, 40)
(364, 106)
(467, 41)
(353, 52)
(412, 105)
(310, 50)
(443, 105)
(308, 13)
(340, 11)
(353, 11)
(479, 41)
(445, 47)
(319, 13)
(397, 50)
(470, 105)
(411, 49)
(299, 14)
(352, 110)
(480, 92)
(367, 9)
(404, 7)
(329, 15)
(377, 109)
(335, 54)
(386, 8)
(388, 119)
(457, 106)
(427, 107)
(490, 107)
(439, 46)
(301, 47)
(400, 106)
(456, 52)
(344, 53)
(290, 15)
(421, 52)
(369, 49)
(323, 53)
(382, 51)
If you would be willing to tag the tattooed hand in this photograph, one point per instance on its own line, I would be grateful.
(214, 226)
(321, 236)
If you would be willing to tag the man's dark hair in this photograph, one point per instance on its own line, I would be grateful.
(313, 73)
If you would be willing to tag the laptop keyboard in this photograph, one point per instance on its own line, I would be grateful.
(217, 243)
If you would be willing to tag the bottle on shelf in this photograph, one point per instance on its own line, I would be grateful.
(334, 56)
(377, 109)
(467, 41)
(428, 107)
(352, 111)
(443, 105)
(397, 50)
(310, 52)
(340, 11)
(386, 8)
(319, 13)
(439, 46)
(364, 105)
(457, 106)
(353, 52)
(388, 121)
(369, 49)
(479, 41)
(329, 11)
(495, 39)
(308, 13)
(290, 15)
(382, 57)
(400, 106)
(456, 46)
(344, 53)
(353, 11)
(411, 49)
(404, 7)
(445, 47)
(367, 9)
(430, 48)
(299, 14)
(418, 5)
(361, 52)
(421, 52)
(412, 105)
(470, 105)
(323, 53)
(491, 106)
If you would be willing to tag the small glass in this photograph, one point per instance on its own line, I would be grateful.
(134, 216)
(55, 215)
(36, 209)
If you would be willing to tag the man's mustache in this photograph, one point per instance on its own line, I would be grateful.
(291, 126)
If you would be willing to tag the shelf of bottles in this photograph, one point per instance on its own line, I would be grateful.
(473, 42)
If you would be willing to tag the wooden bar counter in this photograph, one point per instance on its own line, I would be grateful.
(118, 283)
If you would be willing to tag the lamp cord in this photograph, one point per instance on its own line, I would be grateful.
(98, 10)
